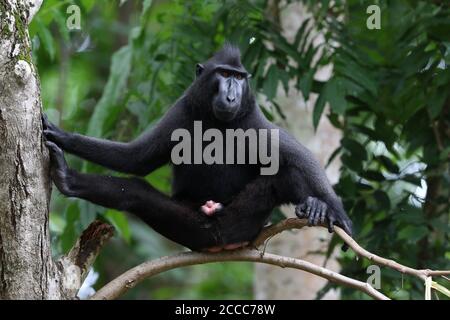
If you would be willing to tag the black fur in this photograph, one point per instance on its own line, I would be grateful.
(248, 198)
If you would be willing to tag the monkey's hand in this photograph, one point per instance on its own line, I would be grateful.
(61, 174)
(53, 133)
(211, 208)
(317, 212)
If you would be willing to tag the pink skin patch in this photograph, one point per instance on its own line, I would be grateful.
(210, 207)
(232, 246)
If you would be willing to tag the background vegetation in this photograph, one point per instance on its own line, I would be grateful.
(388, 94)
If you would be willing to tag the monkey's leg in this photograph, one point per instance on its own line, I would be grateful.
(242, 219)
(256, 201)
(289, 186)
(168, 217)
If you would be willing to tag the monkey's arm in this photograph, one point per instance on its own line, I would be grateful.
(141, 156)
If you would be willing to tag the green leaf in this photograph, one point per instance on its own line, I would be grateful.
(383, 201)
(356, 73)
(161, 178)
(352, 163)
(61, 22)
(319, 107)
(57, 223)
(444, 154)
(46, 37)
(412, 179)
(115, 87)
(388, 164)
(146, 6)
(373, 175)
(277, 216)
(306, 82)
(284, 77)
(436, 102)
(70, 233)
(120, 222)
(271, 82)
(335, 153)
(412, 233)
(335, 95)
(372, 134)
(355, 148)
(301, 35)
(88, 4)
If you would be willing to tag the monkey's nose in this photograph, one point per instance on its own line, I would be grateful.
(231, 98)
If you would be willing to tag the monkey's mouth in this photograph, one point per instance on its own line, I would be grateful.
(224, 111)
(224, 114)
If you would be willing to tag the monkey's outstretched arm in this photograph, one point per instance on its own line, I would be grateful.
(140, 156)
(172, 219)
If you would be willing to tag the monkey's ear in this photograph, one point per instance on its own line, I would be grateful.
(199, 69)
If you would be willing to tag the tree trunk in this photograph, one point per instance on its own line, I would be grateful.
(25, 257)
(27, 270)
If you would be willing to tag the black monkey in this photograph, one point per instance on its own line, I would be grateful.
(235, 200)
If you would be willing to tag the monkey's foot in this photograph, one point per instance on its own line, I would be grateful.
(312, 209)
(60, 172)
(232, 246)
(211, 207)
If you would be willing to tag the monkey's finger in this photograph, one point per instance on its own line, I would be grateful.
(311, 219)
(300, 210)
(317, 211)
(48, 134)
(44, 120)
(331, 221)
(323, 213)
(46, 124)
(308, 208)
(53, 147)
(56, 154)
(346, 225)
(311, 211)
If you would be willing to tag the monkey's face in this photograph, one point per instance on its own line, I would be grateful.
(230, 89)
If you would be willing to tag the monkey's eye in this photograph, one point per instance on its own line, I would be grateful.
(239, 76)
(224, 73)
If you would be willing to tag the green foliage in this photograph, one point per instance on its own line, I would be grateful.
(389, 95)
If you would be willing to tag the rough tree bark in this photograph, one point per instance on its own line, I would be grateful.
(27, 270)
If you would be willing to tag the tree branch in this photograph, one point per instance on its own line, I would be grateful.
(78, 261)
(132, 277)
(295, 223)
